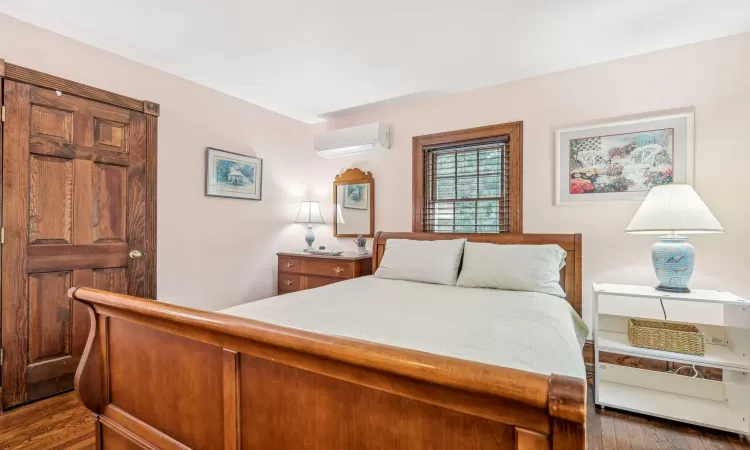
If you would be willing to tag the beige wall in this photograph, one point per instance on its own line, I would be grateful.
(714, 77)
(218, 252)
(212, 252)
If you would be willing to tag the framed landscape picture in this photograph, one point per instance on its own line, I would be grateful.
(356, 196)
(233, 175)
(622, 161)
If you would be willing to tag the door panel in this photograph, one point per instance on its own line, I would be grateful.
(74, 196)
(110, 203)
(51, 200)
(51, 123)
(112, 280)
(109, 134)
(49, 314)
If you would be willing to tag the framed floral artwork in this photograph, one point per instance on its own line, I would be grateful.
(623, 160)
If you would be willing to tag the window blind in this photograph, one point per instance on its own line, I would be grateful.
(466, 188)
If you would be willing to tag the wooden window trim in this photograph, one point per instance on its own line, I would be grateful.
(513, 131)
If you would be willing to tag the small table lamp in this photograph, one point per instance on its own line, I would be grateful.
(673, 209)
(309, 213)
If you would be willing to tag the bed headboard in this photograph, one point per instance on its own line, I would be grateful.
(570, 275)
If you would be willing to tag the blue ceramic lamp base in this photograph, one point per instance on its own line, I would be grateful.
(309, 238)
(673, 258)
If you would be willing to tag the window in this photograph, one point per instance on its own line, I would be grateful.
(465, 190)
(468, 181)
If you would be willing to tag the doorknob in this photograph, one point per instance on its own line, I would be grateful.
(135, 254)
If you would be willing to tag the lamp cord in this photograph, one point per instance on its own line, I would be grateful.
(664, 311)
(661, 302)
(670, 365)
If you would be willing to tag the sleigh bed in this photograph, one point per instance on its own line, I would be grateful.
(163, 376)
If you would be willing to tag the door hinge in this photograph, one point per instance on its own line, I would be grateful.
(2, 235)
(2, 356)
(2, 114)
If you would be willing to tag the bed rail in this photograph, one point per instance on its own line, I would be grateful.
(164, 376)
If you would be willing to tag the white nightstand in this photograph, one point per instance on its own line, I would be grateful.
(725, 320)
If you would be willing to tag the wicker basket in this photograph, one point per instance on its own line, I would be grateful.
(670, 337)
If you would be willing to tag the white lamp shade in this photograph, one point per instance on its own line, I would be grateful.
(309, 212)
(673, 209)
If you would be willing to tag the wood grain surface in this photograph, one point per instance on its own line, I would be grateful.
(61, 422)
(299, 389)
(301, 271)
(34, 77)
(70, 219)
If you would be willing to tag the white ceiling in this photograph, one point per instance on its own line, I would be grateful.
(309, 58)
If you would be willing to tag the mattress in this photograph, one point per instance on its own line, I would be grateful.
(523, 330)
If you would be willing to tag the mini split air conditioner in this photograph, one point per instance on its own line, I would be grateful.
(348, 141)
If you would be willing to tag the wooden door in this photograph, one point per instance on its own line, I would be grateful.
(74, 213)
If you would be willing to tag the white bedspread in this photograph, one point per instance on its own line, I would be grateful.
(523, 330)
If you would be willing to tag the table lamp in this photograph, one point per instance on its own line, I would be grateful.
(673, 210)
(309, 213)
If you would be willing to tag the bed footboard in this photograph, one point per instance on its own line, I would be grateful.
(166, 377)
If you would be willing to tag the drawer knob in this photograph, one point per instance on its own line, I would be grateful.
(289, 265)
(338, 269)
(288, 282)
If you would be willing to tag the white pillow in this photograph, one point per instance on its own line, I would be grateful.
(533, 268)
(424, 261)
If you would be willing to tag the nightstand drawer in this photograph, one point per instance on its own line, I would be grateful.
(314, 282)
(300, 271)
(289, 282)
(336, 269)
(291, 265)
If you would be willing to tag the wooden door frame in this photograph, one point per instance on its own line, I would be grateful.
(43, 80)
(2, 148)
(150, 109)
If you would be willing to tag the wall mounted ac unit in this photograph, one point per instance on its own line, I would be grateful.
(348, 141)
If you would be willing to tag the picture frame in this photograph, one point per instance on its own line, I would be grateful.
(620, 161)
(233, 175)
(356, 196)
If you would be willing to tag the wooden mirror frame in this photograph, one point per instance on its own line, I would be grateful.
(354, 176)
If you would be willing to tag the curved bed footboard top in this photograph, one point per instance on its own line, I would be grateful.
(215, 328)
(571, 276)
(177, 377)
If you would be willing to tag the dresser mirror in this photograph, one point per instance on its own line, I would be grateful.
(354, 201)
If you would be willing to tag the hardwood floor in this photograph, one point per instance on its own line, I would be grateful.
(63, 423)
(59, 422)
(608, 429)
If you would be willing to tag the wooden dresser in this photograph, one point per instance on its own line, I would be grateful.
(300, 271)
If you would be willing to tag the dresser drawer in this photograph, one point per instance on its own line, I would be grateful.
(289, 282)
(314, 282)
(300, 271)
(291, 265)
(336, 269)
